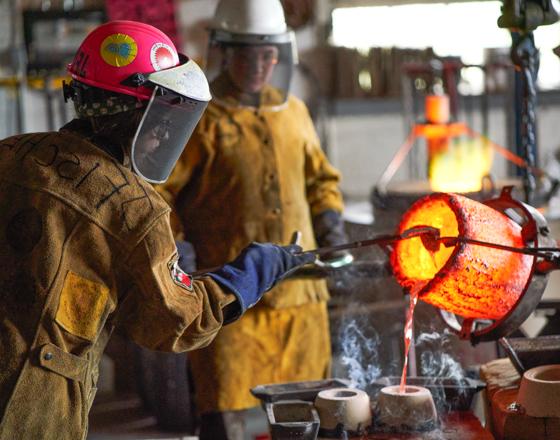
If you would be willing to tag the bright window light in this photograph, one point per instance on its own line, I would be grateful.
(457, 29)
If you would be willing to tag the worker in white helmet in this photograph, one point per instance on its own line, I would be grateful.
(255, 167)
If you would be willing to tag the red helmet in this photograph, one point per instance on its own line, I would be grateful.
(136, 59)
(113, 52)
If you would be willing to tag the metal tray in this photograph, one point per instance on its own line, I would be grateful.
(534, 352)
(289, 419)
(307, 390)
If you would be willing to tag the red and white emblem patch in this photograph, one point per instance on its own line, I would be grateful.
(179, 277)
(163, 56)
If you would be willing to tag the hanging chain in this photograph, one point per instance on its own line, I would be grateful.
(525, 56)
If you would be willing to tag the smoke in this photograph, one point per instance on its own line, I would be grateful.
(359, 355)
(434, 360)
(448, 385)
(444, 377)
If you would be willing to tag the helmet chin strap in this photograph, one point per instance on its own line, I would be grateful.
(127, 154)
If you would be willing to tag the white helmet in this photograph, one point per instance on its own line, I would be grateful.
(254, 17)
(250, 26)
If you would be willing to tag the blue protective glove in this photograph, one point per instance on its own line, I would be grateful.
(187, 256)
(257, 269)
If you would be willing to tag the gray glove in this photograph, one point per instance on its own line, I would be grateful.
(187, 256)
(329, 231)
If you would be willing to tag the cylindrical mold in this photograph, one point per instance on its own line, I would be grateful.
(413, 410)
(469, 280)
(539, 392)
(343, 410)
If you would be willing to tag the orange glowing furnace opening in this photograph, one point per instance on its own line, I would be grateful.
(469, 280)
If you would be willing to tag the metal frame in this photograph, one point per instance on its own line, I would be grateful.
(535, 235)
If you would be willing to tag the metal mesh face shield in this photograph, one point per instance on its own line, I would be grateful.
(164, 130)
(178, 100)
(250, 70)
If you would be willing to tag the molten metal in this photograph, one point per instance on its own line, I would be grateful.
(466, 279)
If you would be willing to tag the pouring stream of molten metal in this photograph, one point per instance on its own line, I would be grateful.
(408, 329)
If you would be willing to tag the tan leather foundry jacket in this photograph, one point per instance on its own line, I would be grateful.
(253, 175)
(84, 245)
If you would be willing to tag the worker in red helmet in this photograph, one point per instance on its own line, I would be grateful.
(255, 165)
(86, 244)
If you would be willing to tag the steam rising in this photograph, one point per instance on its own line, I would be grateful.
(360, 355)
(440, 365)
(363, 357)
(436, 362)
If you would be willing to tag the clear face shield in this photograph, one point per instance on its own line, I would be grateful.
(250, 70)
(178, 100)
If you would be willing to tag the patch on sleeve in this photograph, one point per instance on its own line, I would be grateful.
(81, 306)
(179, 277)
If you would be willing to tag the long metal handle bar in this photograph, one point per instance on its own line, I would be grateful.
(544, 252)
(381, 240)
(431, 240)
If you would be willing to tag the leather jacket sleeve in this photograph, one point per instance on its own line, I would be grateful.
(165, 309)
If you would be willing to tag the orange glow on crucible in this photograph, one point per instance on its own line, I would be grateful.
(469, 280)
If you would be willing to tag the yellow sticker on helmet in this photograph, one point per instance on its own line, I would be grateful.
(118, 50)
